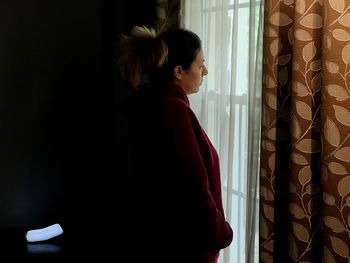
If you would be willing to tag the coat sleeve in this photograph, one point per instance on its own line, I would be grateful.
(207, 223)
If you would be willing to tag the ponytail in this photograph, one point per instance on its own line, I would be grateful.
(144, 53)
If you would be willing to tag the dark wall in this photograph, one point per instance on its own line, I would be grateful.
(63, 150)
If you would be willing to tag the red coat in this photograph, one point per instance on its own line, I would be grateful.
(177, 211)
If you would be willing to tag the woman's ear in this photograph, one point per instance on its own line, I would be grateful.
(178, 72)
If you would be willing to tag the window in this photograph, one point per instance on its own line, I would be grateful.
(227, 101)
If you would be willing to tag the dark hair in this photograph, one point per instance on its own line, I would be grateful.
(157, 54)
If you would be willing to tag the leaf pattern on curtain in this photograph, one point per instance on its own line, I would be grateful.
(305, 154)
(168, 14)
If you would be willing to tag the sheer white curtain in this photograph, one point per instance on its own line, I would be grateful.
(228, 107)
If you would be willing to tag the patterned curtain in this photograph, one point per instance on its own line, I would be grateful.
(305, 154)
(168, 14)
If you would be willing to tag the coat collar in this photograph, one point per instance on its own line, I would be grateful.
(173, 90)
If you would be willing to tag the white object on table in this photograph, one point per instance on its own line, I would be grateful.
(44, 233)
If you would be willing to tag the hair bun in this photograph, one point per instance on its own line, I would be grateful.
(145, 52)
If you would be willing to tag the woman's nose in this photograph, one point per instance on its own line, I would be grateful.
(205, 71)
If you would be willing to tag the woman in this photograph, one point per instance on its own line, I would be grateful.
(177, 206)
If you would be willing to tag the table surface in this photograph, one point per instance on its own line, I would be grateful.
(14, 245)
(15, 248)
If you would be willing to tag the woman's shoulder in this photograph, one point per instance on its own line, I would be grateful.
(178, 114)
(176, 106)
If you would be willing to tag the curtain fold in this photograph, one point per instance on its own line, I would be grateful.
(254, 128)
(305, 156)
(168, 14)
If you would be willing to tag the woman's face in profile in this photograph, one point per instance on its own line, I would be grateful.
(193, 77)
